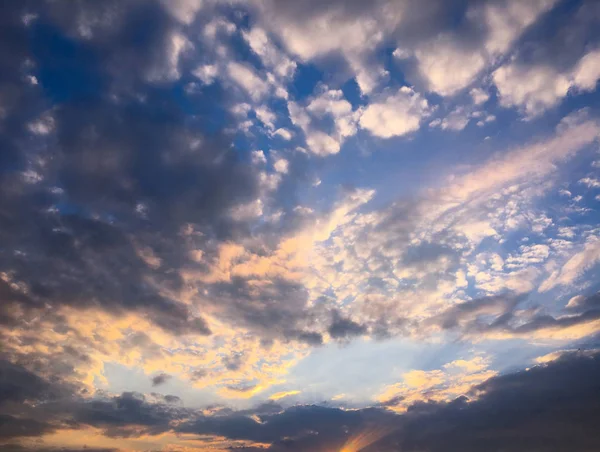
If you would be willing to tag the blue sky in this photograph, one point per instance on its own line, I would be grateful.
(222, 219)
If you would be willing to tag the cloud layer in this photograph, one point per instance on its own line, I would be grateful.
(206, 206)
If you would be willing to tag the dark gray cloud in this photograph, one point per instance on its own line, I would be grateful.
(127, 415)
(344, 328)
(277, 310)
(160, 379)
(20, 448)
(499, 314)
(17, 385)
(119, 168)
(12, 427)
(102, 208)
(551, 407)
(554, 407)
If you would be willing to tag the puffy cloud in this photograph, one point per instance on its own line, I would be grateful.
(283, 133)
(447, 66)
(416, 256)
(184, 10)
(457, 379)
(312, 31)
(456, 120)
(590, 182)
(260, 43)
(396, 115)
(266, 116)
(479, 96)
(245, 77)
(281, 166)
(506, 20)
(551, 67)
(206, 73)
(328, 105)
(535, 89)
(586, 73)
(450, 62)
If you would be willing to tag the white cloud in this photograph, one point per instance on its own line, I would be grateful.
(590, 182)
(396, 115)
(536, 88)
(329, 104)
(448, 66)
(244, 212)
(528, 255)
(486, 120)
(42, 126)
(206, 73)
(333, 103)
(269, 182)
(247, 79)
(575, 267)
(266, 116)
(479, 96)
(281, 166)
(310, 35)
(575, 301)
(283, 133)
(183, 10)
(272, 57)
(322, 144)
(456, 120)
(258, 157)
(507, 19)
(587, 72)
(168, 69)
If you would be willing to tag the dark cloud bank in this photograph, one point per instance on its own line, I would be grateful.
(551, 407)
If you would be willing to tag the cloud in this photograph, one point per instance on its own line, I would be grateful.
(479, 96)
(456, 120)
(184, 10)
(539, 89)
(457, 379)
(395, 115)
(344, 328)
(328, 106)
(448, 60)
(314, 31)
(447, 66)
(248, 80)
(206, 73)
(281, 395)
(517, 400)
(451, 61)
(272, 57)
(144, 238)
(575, 267)
(563, 64)
(406, 264)
(160, 379)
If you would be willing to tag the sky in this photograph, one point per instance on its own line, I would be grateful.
(319, 225)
